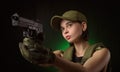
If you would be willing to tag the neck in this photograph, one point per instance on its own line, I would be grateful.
(80, 47)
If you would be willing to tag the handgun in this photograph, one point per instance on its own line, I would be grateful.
(31, 29)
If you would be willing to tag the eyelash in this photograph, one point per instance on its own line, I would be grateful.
(70, 24)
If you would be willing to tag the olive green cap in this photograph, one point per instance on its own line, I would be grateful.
(72, 15)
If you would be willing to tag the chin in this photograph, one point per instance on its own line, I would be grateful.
(70, 41)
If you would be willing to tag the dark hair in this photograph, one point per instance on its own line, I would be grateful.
(85, 33)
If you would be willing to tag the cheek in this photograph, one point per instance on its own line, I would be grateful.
(76, 32)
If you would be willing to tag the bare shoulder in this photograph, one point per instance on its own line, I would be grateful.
(99, 59)
(103, 51)
(103, 55)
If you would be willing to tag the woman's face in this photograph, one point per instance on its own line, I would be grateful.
(71, 31)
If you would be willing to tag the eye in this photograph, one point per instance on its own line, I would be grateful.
(69, 24)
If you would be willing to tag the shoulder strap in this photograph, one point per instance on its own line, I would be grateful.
(68, 53)
(91, 50)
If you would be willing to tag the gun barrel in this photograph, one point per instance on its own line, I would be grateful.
(24, 22)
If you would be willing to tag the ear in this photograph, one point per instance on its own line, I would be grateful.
(84, 26)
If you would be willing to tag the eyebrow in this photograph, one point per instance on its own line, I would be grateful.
(66, 23)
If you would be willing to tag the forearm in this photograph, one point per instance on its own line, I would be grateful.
(67, 66)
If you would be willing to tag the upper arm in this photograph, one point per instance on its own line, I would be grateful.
(98, 60)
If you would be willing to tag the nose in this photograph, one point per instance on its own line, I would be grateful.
(66, 31)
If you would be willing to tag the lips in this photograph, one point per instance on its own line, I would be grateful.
(68, 37)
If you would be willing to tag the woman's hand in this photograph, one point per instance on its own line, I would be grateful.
(36, 53)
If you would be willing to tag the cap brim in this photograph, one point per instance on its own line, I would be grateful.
(55, 22)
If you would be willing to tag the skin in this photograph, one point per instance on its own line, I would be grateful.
(72, 32)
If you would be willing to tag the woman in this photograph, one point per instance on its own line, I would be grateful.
(73, 26)
(79, 57)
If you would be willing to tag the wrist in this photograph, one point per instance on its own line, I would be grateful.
(52, 58)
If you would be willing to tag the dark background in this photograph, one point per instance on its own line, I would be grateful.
(103, 21)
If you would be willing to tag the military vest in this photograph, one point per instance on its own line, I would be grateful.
(88, 53)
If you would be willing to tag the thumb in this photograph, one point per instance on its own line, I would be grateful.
(24, 51)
